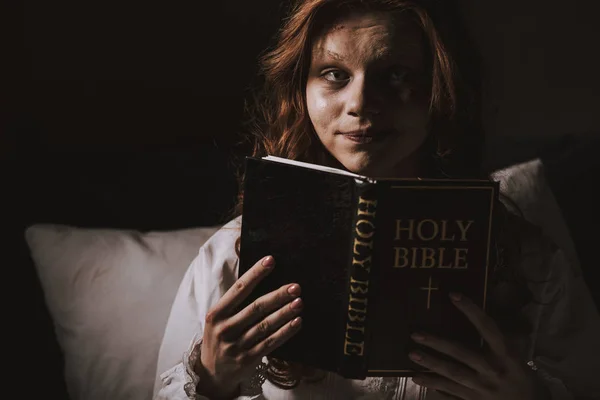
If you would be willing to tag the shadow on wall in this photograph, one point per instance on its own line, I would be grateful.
(541, 66)
(140, 75)
(135, 75)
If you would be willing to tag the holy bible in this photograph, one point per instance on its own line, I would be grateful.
(375, 259)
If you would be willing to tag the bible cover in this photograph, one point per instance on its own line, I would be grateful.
(375, 259)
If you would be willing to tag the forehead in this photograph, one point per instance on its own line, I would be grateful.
(369, 37)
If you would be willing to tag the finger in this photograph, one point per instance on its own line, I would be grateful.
(240, 289)
(453, 371)
(275, 340)
(445, 386)
(470, 358)
(270, 324)
(486, 326)
(258, 309)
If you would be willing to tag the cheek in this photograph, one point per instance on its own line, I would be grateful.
(411, 113)
(321, 110)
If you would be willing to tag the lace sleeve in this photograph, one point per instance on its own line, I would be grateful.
(189, 360)
(179, 382)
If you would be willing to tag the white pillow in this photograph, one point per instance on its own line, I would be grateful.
(526, 185)
(109, 293)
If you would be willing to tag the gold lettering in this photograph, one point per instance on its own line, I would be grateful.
(442, 251)
(463, 229)
(359, 279)
(428, 257)
(358, 310)
(398, 256)
(444, 236)
(363, 287)
(349, 327)
(359, 289)
(352, 280)
(356, 318)
(362, 263)
(357, 300)
(460, 256)
(360, 243)
(369, 205)
(414, 257)
(409, 229)
(353, 348)
(369, 233)
(420, 230)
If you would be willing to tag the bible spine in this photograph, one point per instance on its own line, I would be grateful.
(353, 363)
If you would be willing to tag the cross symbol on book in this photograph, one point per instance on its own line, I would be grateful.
(429, 288)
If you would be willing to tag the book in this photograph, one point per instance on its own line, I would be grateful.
(375, 259)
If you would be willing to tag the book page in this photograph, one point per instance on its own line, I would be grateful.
(303, 164)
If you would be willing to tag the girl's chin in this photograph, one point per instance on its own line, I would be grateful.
(407, 168)
(362, 167)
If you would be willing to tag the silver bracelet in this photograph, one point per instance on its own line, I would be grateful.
(532, 365)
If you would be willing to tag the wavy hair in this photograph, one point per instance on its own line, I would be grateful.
(279, 123)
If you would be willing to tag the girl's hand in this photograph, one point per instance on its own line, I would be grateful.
(233, 344)
(498, 376)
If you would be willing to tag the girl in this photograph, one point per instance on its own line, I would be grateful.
(383, 88)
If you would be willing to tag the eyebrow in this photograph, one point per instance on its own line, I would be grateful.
(381, 55)
(334, 55)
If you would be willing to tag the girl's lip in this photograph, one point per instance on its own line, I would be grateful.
(359, 138)
(364, 136)
(359, 132)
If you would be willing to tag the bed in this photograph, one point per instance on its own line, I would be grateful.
(98, 242)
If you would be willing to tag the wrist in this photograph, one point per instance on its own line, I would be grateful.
(207, 387)
(207, 384)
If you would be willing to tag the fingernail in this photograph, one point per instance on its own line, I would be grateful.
(294, 290)
(296, 322)
(417, 379)
(268, 262)
(297, 304)
(456, 296)
(415, 356)
(419, 337)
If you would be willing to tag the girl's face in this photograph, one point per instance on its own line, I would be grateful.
(363, 94)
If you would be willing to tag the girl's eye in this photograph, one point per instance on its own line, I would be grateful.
(336, 76)
(395, 77)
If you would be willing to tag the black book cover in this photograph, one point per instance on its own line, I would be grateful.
(375, 258)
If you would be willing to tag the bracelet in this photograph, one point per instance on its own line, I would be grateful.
(532, 365)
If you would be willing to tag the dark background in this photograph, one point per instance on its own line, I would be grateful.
(96, 75)
(107, 75)
(123, 113)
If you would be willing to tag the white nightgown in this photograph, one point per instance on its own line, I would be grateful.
(564, 344)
